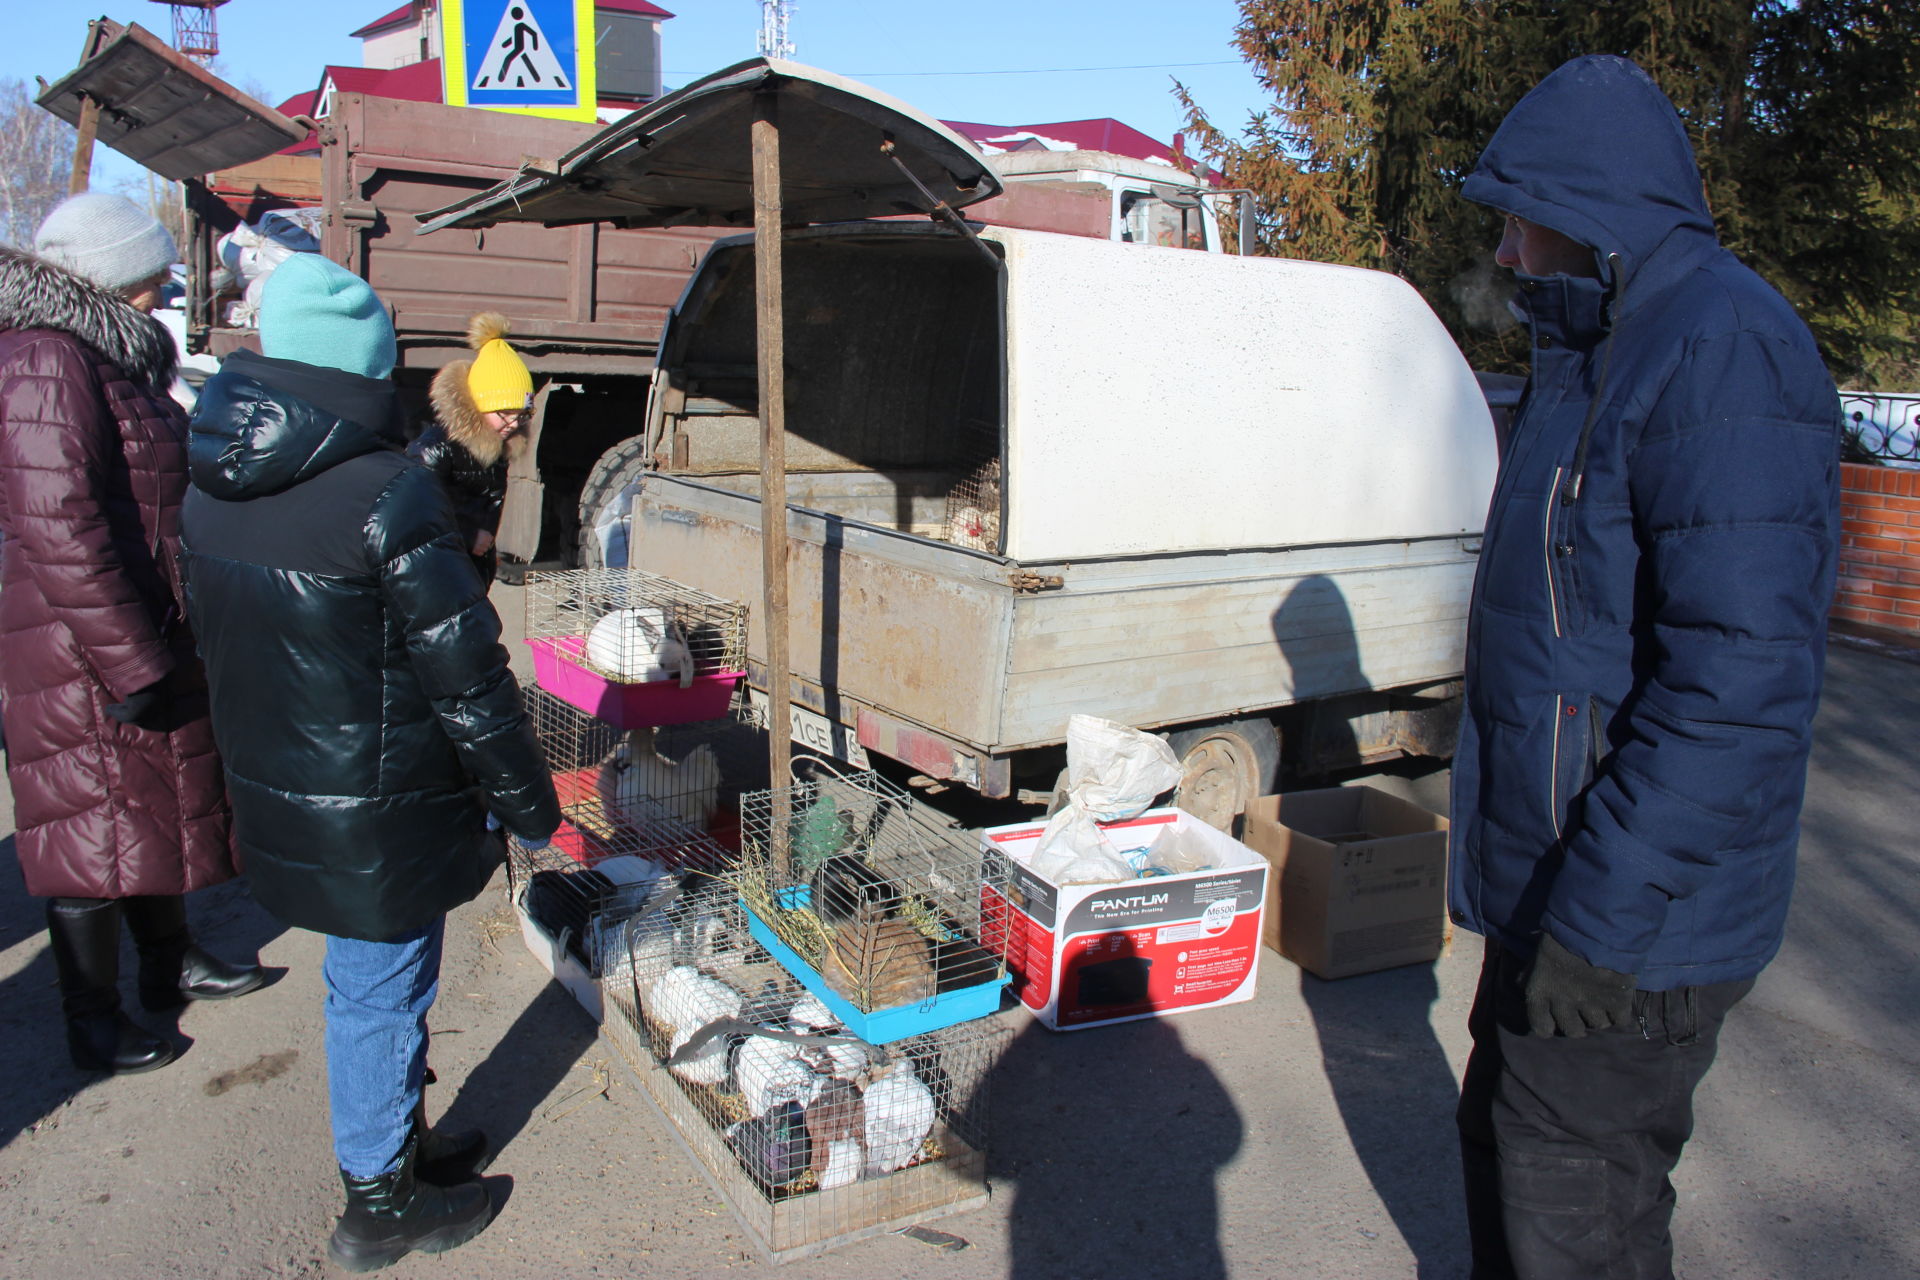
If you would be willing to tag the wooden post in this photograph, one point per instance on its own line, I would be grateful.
(770, 331)
(83, 145)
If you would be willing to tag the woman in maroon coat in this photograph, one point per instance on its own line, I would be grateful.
(118, 799)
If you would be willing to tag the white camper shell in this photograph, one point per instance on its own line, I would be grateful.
(1030, 475)
(1148, 484)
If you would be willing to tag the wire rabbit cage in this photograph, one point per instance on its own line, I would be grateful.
(636, 805)
(635, 649)
(813, 1136)
(973, 509)
(870, 905)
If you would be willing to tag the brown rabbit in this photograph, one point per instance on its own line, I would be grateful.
(879, 961)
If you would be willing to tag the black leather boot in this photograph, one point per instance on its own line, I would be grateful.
(448, 1157)
(85, 933)
(396, 1213)
(173, 968)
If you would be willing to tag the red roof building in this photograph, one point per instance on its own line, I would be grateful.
(1066, 135)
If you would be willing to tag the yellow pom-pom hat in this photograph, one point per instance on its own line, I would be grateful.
(498, 380)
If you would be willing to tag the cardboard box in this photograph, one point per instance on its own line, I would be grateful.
(1087, 955)
(1359, 878)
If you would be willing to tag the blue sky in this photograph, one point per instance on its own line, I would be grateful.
(905, 47)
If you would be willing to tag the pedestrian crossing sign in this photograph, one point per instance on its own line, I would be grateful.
(529, 56)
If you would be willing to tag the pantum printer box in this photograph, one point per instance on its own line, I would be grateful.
(1359, 878)
(1086, 955)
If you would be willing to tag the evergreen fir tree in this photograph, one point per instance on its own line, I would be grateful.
(1804, 117)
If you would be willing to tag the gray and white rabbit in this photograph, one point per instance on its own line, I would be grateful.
(636, 783)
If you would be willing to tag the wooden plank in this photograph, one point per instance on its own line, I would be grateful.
(88, 129)
(770, 331)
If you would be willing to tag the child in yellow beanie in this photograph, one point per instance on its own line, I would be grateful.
(481, 409)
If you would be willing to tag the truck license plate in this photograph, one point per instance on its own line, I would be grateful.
(811, 729)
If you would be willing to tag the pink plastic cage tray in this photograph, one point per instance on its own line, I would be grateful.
(559, 669)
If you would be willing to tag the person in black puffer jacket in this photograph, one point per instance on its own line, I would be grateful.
(481, 409)
(366, 717)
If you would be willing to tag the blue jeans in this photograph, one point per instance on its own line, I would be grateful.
(378, 994)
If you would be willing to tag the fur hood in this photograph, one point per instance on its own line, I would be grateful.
(35, 294)
(453, 403)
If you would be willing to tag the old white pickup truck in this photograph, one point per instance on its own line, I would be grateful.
(1034, 474)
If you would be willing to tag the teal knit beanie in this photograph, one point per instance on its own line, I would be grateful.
(317, 312)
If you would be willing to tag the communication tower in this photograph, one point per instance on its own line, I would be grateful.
(194, 31)
(775, 42)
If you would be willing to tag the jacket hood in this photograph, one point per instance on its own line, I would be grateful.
(264, 425)
(1598, 153)
(460, 417)
(36, 294)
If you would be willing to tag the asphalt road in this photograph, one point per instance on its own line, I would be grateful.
(1305, 1134)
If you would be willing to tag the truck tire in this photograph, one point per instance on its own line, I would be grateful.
(1223, 766)
(617, 468)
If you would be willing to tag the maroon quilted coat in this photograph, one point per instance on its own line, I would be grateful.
(93, 464)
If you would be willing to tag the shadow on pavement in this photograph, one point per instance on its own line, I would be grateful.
(33, 1039)
(1113, 1139)
(1396, 1093)
(535, 1054)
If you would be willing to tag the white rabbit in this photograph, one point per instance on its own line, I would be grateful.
(770, 1072)
(810, 1014)
(639, 645)
(687, 1000)
(899, 1117)
(636, 783)
(843, 1164)
(846, 1061)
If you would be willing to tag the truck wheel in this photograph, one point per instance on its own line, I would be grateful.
(617, 468)
(1223, 766)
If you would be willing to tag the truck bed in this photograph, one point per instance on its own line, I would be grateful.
(940, 638)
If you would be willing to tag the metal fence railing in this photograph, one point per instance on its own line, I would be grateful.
(1881, 425)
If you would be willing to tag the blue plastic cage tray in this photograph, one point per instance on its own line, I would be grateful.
(882, 1026)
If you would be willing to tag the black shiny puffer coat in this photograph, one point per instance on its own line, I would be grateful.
(361, 697)
(477, 488)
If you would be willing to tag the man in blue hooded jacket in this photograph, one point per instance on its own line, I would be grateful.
(1643, 665)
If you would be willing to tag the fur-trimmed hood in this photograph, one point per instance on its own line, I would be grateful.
(462, 420)
(460, 414)
(35, 294)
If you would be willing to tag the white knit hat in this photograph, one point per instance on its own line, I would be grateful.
(105, 238)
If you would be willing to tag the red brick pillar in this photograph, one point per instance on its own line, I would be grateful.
(1879, 550)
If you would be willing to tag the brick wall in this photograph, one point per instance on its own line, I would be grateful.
(1879, 549)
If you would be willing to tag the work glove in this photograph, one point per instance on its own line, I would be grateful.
(146, 707)
(1565, 994)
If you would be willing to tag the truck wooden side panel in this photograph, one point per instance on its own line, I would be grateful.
(1172, 639)
(937, 637)
(903, 625)
(583, 299)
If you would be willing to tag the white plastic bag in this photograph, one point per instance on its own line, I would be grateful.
(1114, 772)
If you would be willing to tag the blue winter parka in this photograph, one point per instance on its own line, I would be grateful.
(1648, 623)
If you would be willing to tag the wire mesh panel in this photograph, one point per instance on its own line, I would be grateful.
(874, 908)
(630, 790)
(633, 648)
(814, 1137)
(973, 509)
(637, 807)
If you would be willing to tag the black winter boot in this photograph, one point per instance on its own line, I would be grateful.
(396, 1213)
(173, 969)
(85, 933)
(448, 1157)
